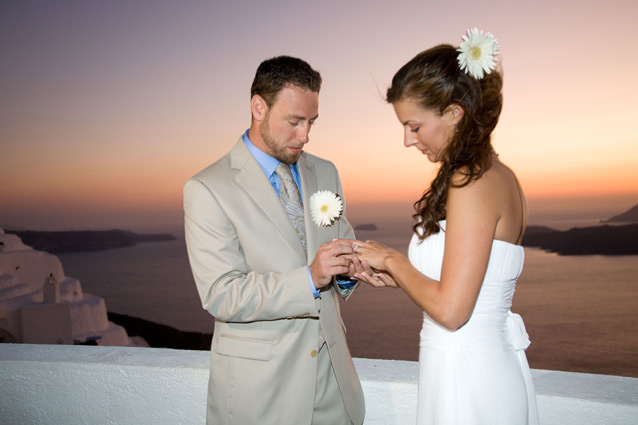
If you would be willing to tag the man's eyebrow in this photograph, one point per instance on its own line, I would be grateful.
(301, 117)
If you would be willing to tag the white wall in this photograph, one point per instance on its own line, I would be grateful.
(79, 385)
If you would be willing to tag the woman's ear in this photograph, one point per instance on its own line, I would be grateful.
(456, 112)
(258, 107)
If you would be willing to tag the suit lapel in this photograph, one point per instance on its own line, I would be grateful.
(251, 178)
(308, 188)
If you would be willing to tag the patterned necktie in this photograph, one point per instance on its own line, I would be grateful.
(291, 200)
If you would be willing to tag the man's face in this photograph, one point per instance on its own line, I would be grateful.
(287, 123)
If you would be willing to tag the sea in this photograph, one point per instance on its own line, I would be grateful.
(153, 281)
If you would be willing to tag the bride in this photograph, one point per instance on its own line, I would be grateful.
(465, 255)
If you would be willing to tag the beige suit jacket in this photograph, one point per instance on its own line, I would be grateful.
(252, 276)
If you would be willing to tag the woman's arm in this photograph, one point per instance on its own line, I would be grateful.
(471, 223)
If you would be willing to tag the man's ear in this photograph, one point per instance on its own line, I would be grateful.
(258, 107)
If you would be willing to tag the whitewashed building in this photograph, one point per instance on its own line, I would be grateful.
(40, 305)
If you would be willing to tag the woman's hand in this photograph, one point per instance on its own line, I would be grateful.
(377, 279)
(368, 261)
(373, 253)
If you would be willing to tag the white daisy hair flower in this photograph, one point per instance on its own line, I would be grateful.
(325, 207)
(478, 53)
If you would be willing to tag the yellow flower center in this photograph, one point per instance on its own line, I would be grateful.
(476, 53)
(324, 208)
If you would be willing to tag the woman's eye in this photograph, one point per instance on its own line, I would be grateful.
(415, 129)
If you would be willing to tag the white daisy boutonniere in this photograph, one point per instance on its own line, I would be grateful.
(325, 207)
(478, 52)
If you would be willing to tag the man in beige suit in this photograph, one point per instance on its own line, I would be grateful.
(279, 354)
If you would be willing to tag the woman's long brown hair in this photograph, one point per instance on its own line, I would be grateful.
(434, 80)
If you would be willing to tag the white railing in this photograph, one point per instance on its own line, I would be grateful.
(78, 385)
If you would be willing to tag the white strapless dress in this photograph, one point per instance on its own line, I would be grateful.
(479, 374)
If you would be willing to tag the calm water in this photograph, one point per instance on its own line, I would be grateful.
(153, 280)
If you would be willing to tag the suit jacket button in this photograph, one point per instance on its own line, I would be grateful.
(313, 353)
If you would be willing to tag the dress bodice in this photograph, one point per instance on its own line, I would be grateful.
(491, 325)
(506, 259)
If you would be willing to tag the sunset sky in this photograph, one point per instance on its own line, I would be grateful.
(107, 107)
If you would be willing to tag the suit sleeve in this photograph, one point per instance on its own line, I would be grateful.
(345, 232)
(229, 289)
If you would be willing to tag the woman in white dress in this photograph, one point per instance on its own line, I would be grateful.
(465, 255)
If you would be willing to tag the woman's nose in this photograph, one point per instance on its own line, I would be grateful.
(409, 139)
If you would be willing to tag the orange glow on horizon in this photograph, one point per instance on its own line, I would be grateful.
(108, 129)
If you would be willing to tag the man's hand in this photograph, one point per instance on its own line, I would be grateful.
(361, 270)
(331, 259)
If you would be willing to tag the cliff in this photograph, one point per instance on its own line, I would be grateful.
(630, 216)
(162, 336)
(85, 240)
(602, 240)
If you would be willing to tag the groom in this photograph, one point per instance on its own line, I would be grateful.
(271, 277)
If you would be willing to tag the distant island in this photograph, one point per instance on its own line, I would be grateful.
(366, 226)
(85, 240)
(630, 216)
(602, 240)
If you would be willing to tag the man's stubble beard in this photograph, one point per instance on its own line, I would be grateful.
(276, 151)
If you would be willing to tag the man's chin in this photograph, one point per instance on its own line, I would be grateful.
(290, 158)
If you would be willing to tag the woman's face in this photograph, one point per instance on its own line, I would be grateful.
(425, 129)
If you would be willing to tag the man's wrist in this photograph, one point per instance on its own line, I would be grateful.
(315, 291)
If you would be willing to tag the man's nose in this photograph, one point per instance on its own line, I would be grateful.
(303, 133)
